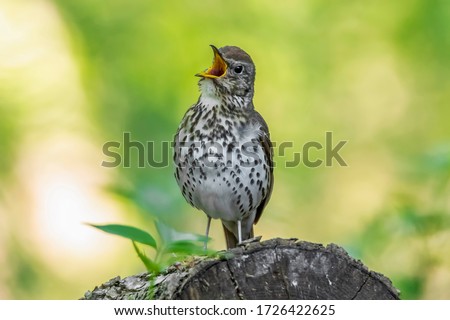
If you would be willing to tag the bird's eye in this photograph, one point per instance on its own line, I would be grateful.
(238, 69)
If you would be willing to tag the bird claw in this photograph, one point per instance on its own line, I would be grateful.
(248, 241)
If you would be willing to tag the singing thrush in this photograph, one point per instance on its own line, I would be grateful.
(222, 149)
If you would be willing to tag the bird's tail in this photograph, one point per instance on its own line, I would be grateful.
(231, 240)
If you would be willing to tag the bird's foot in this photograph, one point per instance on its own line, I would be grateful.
(248, 241)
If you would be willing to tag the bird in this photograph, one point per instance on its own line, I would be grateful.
(223, 155)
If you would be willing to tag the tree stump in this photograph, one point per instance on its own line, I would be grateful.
(273, 269)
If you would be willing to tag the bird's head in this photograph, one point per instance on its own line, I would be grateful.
(232, 73)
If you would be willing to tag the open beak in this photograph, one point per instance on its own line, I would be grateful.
(218, 68)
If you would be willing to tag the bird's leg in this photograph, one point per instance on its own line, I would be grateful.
(208, 224)
(239, 232)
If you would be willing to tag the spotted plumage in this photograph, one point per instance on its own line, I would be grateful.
(222, 149)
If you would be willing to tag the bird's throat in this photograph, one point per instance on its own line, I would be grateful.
(210, 96)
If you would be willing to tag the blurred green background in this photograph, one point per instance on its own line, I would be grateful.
(76, 74)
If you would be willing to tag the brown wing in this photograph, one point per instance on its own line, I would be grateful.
(264, 138)
(230, 238)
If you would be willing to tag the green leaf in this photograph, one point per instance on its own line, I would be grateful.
(184, 247)
(150, 265)
(128, 232)
(169, 234)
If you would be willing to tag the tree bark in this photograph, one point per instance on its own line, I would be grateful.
(273, 269)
